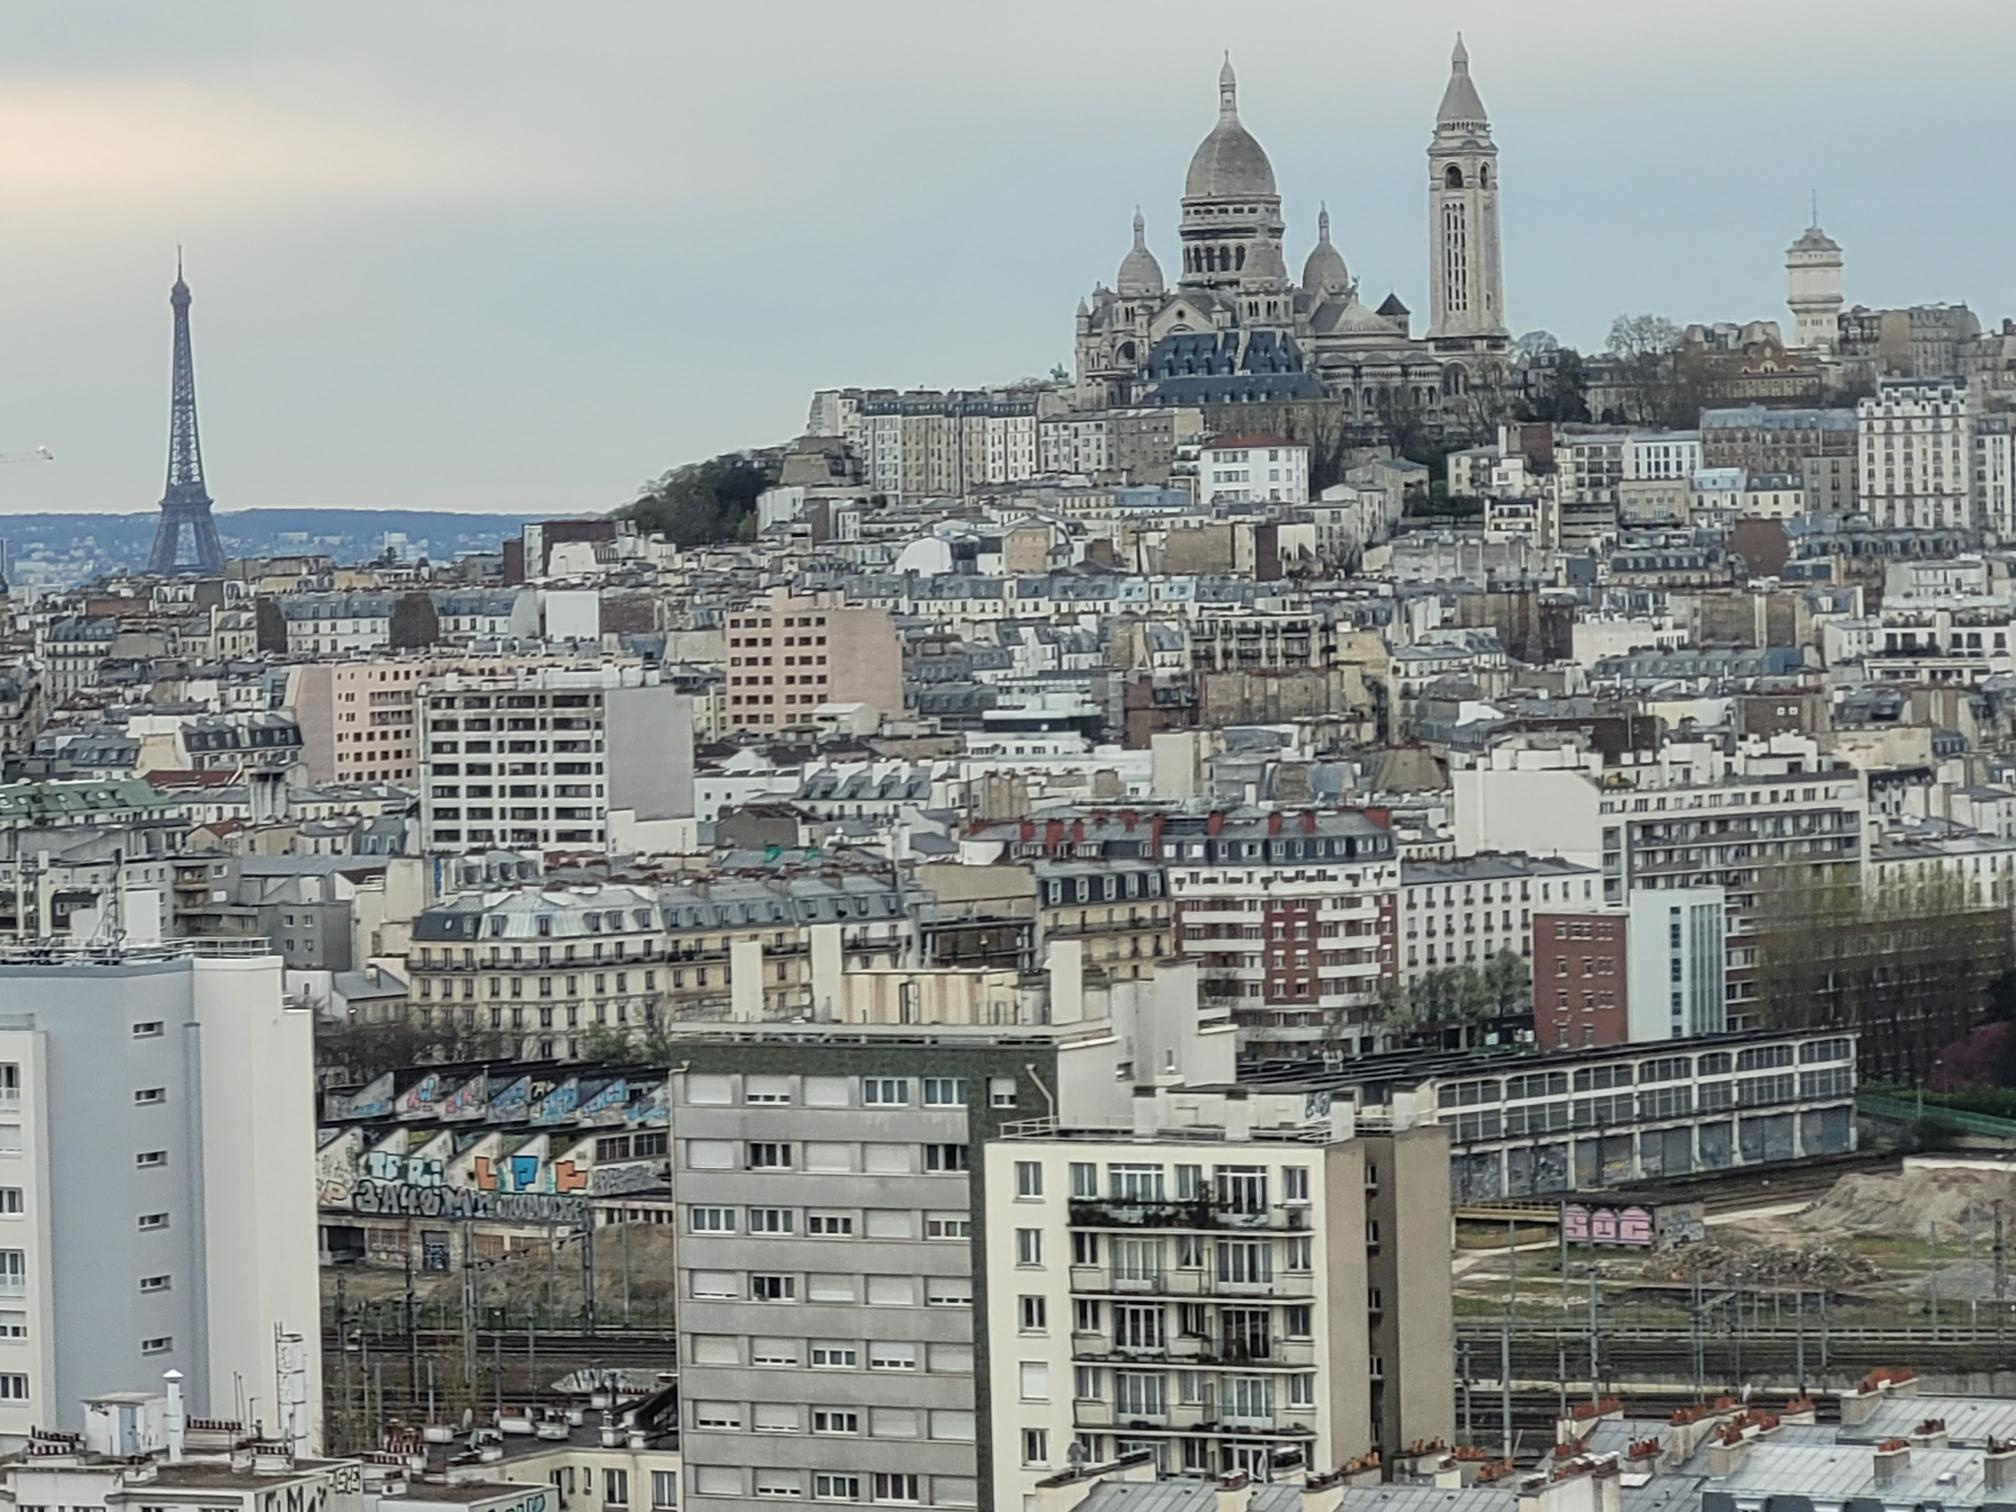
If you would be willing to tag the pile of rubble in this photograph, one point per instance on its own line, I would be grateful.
(1764, 1265)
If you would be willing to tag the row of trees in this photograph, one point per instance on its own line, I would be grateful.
(1466, 999)
(704, 503)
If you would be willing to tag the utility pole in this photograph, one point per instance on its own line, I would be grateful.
(1933, 1279)
(2001, 1274)
(1799, 1347)
(1505, 1388)
(412, 1322)
(588, 1273)
(1463, 1365)
(1512, 1255)
(469, 1310)
(624, 1233)
(1694, 1321)
(1595, 1361)
(1564, 1261)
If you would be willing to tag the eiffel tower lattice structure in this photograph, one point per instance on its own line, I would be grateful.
(185, 504)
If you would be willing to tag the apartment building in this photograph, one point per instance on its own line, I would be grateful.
(1768, 815)
(787, 655)
(1291, 917)
(1467, 910)
(1252, 469)
(359, 720)
(930, 443)
(1229, 1286)
(1121, 910)
(1915, 454)
(1819, 446)
(157, 1142)
(548, 758)
(1655, 968)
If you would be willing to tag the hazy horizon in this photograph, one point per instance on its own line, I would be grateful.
(517, 259)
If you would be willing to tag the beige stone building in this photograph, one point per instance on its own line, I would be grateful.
(789, 654)
(359, 719)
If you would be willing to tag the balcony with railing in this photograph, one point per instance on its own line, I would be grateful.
(1101, 1280)
(1207, 1213)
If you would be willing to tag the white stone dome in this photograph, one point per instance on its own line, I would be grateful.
(1325, 272)
(1140, 275)
(1229, 163)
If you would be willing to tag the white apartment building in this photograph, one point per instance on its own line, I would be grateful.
(157, 1149)
(1466, 911)
(1915, 454)
(1252, 470)
(1074, 443)
(1236, 1284)
(1993, 509)
(1687, 816)
(1291, 917)
(546, 758)
(1664, 455)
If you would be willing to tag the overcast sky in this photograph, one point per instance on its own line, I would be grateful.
(520, 256)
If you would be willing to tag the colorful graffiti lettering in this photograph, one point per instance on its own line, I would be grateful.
(460, 1205)
(373, 1100)
(558, 1104)
(470, 1100)
(606, 1102)
(1604, 1225)
(419, 1097)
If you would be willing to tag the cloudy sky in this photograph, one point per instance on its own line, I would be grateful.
(491, 254)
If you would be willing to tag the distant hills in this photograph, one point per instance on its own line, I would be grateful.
(57, 550)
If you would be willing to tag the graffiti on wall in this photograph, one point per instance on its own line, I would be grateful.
(1583, 1224)
(461, 1205)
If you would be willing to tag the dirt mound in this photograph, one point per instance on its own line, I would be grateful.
(1909, 1203)
(1765, 1265)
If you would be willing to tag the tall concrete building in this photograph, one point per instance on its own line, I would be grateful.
(789, 654)
(157, 1145)
(1232, 1286)
(545, 758)
(831, 1215)
(1915, 449)
(358, 719)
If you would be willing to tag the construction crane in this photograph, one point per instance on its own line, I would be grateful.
(40, 454)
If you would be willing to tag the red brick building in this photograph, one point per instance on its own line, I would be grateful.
(1580, 979)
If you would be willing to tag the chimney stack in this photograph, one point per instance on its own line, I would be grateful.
(173, 1422)
(1892, 1455)
(1235, 1491)
(1998, 1465)
(1238, 1115)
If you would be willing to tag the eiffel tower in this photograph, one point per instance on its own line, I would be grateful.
(186, 503)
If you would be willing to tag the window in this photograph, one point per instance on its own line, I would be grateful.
(1035, 1314)
(1028, 1246)
(664, 1488)
(835, 1420)
(1028, 1179)
(781, 1483)
(160, 1345)
(1001, 1092)
(150, 1221)
(769, 1155)
(774, 1352)
(148, 1160)
(773, 1288)
(772, 1221)
(948, 1291)
(147, 1097)
(13, 1387)
(1034, 1377)
(888, 1486)
(835, 1357)
(616, 1488)
(148, 1029)
(944, 1092)
(892, 1356)
(945, 1157)
(778, 1417)
(948, 1226)
(1035, 1446)
(840, 1488)
(885, 1091)
(829, 1225)
(710, 1220)
(10, 1202)
(1294, 1183)
(722, 1415)
(1300, 1251)
(154, 1283)
(1084, 1179)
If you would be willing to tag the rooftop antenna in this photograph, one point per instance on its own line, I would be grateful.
(1816, 209)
